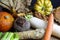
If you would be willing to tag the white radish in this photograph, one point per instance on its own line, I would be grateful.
(38, 23)
(56, 30)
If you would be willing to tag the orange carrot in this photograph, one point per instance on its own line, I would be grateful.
(49, 28)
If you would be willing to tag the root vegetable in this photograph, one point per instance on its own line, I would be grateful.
(21, 24)
(49, 28)
(56, 30)
(37, 23)
(34, 34)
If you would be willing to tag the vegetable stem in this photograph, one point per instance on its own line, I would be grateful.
(1, 34)
(5, 36)
(9, 36)
(16, 36)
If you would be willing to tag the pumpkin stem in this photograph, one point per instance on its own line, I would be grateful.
(6, 17)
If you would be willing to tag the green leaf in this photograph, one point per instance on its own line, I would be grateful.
(28, 17)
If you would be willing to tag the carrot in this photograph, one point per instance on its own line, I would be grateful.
(49, 28)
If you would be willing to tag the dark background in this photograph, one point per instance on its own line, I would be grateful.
(55, 3)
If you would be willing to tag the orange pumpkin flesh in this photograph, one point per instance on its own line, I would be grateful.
(6, 21)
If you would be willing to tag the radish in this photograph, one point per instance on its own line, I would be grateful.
(36, 22)
(56, 30)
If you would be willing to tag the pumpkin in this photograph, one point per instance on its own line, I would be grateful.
(16, 6)
(44, 7)
(6, 21)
